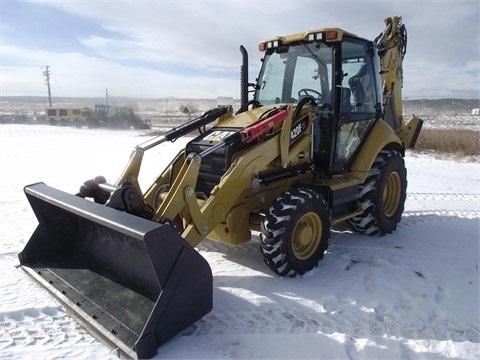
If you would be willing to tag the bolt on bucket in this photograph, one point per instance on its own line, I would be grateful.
(130, 282)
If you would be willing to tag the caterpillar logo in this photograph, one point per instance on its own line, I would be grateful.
(298, 129)
(218, 135)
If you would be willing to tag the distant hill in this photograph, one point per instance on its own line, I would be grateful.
(440, 106)
(30, 104)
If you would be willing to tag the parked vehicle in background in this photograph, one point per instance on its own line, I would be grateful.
(98, 117)
(64, 116)
(101, 116)
(120, 117)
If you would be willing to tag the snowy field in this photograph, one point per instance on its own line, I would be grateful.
(414, 294)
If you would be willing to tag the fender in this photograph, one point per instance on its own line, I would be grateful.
(382, 136)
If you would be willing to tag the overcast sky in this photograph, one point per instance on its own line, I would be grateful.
(189, 49)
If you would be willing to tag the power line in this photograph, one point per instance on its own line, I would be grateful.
(24, 91)
(13, 66)
(58, 85)
(46, 74)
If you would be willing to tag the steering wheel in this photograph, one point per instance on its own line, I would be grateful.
(310, 92)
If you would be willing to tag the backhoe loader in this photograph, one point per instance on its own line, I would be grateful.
(321, 141)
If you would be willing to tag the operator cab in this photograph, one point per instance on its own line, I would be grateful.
(338, 73)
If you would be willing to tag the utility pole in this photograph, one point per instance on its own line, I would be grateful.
(106, 99)
(46, 73)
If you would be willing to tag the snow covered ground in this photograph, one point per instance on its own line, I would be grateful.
(414, 294)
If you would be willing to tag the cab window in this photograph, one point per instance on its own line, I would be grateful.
(360, 98)
(291, 72)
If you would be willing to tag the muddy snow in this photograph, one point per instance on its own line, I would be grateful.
(414, 294)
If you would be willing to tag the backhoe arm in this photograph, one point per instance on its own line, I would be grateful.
(393, 47)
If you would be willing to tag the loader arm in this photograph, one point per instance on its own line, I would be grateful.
(132, 170)
(203, 216)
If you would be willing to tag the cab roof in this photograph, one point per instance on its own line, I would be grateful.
(326, 34)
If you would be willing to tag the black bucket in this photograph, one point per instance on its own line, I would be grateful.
(131, 282)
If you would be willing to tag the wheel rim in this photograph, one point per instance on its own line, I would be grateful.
(392, 194)
(307, 236)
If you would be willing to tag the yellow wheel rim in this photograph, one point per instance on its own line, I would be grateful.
(307, 236)
(392, 194)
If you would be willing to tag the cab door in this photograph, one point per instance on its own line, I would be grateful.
(358, 103)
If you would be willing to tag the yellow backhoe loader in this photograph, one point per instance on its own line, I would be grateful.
(321, 141)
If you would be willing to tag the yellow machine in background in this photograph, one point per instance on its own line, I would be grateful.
(63, 116)
(101, 116)
(322, 141)
(116, 117)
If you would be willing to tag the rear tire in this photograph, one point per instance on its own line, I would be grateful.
(382, 195)
(295, 232)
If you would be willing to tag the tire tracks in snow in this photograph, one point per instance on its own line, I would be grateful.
(40, 326)
(41, 322)
(444, 196)
(435, 208)
(337, 316)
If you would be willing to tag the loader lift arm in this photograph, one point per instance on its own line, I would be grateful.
(132, 170)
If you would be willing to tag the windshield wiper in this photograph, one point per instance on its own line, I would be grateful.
(314, 55)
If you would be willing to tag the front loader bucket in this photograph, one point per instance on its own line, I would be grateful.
(131, 282)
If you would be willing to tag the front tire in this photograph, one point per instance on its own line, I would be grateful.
(383, 195)
(295, 232)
